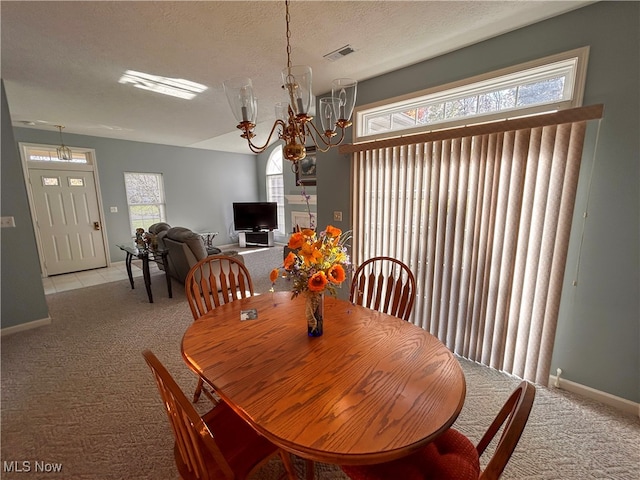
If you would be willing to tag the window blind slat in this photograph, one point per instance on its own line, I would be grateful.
(422, 314)
(486, 244)
(455, 332)
(466, 283)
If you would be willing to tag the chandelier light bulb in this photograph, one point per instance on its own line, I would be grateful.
(328, 115)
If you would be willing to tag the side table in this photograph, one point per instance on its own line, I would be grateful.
(207, 238)
(158, 255)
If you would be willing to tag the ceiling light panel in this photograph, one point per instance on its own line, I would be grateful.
(174, 87)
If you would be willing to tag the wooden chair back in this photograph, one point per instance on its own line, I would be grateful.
(452, 456)
(195, 448)
(216, 280)
(513, 415)
(384, 284)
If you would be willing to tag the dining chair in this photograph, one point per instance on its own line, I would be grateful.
(384, 284)
(452, 456)
(218, 444)
(214, 281)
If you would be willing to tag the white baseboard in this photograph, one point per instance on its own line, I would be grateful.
(598, 395)
(228, 246)
(25, 326)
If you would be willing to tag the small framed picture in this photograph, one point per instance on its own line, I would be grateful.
(306, 173)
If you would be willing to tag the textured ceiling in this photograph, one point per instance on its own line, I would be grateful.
(61, 61)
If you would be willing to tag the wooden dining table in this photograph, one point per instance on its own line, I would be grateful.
(371, 389)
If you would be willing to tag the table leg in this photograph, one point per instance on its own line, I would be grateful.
(127, 262)
(310, 469)
(165, 262)
(147, 277)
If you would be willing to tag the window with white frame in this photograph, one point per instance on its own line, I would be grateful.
(145, 199)
(275, 185)
(541, 86)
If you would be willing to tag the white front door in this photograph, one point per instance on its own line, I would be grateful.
(68, 220)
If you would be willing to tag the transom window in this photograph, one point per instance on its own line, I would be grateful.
(45, 153)
(545, 85)
(145, 199)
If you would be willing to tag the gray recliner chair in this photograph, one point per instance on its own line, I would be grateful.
(185, 248)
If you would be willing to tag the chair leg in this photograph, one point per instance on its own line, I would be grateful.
(198, 392)
(288, 464)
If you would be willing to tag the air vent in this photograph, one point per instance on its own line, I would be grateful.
(339, 53)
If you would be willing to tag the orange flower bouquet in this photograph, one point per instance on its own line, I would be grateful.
(316, 264)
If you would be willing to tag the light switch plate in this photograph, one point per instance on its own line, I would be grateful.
(7, 222)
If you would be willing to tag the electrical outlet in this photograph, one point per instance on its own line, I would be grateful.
(337, 216)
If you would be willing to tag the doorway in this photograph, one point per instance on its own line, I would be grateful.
(65, 207)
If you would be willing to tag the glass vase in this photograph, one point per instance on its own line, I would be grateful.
(314, 312)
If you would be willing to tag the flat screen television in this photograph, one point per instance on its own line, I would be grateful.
(255, 216)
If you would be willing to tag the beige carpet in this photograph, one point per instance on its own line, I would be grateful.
(78, 393)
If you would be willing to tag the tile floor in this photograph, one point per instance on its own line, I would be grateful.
(117, 271)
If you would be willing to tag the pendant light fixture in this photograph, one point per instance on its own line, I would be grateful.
(64, 152)
(292, 117)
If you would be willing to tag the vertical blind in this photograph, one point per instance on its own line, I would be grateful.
(482, 216)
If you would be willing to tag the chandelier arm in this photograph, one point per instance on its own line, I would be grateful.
(319, 147)
(319, 142)
(255, 148)
(342, 130)
(321, 136)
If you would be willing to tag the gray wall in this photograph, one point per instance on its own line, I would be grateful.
(22, 294)
(597, 341)
(200, 185)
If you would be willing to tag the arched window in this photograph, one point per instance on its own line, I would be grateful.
(275, 185)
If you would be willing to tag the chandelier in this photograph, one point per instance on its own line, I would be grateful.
(64, 152)
(293, 119)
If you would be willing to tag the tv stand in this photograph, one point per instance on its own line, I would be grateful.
(256, 239)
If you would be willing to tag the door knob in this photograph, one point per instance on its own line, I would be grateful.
(96, 225)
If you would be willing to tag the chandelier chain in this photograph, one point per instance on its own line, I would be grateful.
(288, 19)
